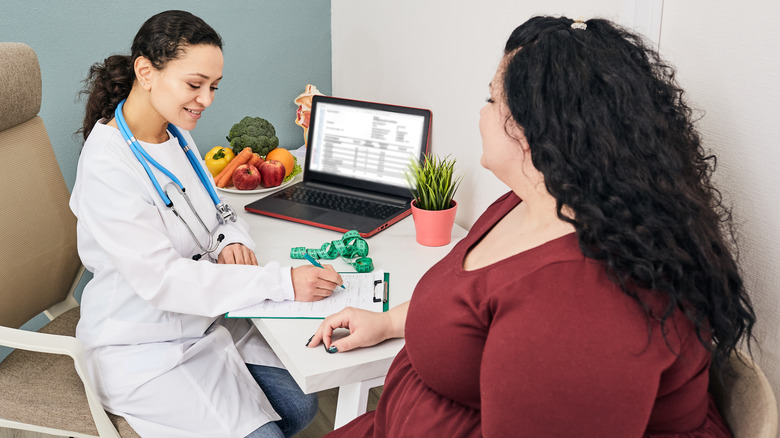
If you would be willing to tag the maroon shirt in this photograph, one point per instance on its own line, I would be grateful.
(540, 344)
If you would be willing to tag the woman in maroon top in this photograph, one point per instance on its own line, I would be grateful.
(590, 300)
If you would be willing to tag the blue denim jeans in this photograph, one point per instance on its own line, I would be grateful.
(296, 408)
(268, 430)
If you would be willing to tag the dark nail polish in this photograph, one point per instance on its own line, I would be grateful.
(307, 342)
(333, 349)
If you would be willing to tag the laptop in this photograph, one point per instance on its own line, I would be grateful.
(354, 175)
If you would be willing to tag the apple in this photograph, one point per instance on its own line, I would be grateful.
(272, 173)
(246, 177)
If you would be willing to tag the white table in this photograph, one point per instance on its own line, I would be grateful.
(393, 250)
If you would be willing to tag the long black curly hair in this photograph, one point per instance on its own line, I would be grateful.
(162, 38)
(609, 129)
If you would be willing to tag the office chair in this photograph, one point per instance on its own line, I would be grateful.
(44, 385)
(745, 399)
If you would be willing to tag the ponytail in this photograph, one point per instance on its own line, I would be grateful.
(106, 85)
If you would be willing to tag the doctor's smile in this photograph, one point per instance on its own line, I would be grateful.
(195, 114)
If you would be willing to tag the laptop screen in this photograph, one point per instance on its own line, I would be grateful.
(365, 144)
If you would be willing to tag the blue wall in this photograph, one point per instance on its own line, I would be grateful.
(272, 50)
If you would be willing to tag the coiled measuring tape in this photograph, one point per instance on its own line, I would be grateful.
(352, 249)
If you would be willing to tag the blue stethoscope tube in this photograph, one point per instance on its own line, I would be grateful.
(224, 212)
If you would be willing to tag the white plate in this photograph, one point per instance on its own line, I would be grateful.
(249, 192)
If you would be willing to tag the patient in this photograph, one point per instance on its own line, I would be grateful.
(591, 298)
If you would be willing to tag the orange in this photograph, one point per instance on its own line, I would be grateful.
(283, 156)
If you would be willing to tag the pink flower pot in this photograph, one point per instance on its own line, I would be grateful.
(434, 227)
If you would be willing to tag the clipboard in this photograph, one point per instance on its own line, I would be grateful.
(368, 291)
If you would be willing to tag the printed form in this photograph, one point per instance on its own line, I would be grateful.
(362, 290)
(366, 144)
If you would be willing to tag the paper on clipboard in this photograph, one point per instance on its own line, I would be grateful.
(368, 291)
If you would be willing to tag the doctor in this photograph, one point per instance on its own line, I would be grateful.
(169, 258)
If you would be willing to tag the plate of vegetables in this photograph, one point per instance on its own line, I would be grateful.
(253, 142)
(223, 163)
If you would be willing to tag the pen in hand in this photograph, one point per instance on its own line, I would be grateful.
(316, 263)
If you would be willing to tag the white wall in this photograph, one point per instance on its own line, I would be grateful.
(442, 54)
(439, 55)
(727, 58)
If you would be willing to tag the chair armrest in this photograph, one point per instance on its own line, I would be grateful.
(66, 345)
(43, 342)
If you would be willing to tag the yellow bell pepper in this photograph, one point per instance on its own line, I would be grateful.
(217, 158)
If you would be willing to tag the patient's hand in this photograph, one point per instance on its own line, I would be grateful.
(365, 328)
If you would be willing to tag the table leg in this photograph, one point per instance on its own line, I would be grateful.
(353, 400)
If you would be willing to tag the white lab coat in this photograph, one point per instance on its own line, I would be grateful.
(158, 349)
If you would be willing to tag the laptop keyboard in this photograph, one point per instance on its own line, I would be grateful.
(339, 202)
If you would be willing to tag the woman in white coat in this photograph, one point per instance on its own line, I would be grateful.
(159, 351)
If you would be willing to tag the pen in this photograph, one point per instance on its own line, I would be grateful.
(317, 264)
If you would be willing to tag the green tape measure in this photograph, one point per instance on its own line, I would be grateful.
(352, 249)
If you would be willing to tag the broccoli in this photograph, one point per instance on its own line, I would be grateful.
(254, 132)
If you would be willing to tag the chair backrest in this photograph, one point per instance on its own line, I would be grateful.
(745, 399)
(38, 256)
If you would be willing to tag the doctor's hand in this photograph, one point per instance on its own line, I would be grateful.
(311, 283)
(365, 329)
(237, 254)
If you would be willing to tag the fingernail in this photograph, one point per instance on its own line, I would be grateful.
(332, 349)
(307, 342)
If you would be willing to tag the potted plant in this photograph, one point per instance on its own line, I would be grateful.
(433, 184)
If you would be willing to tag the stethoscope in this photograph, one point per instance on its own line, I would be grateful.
(224, 212)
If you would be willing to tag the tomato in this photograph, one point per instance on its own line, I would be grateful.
(217, 158)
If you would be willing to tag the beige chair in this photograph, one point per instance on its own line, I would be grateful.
(43, 384)
(746, 399)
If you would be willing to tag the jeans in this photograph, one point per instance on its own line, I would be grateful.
(296, 408)
(268, 430)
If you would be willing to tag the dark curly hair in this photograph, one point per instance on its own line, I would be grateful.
(609, 129)
(162, 38)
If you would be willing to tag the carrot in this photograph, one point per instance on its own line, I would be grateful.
(224, 177)
(256, 160)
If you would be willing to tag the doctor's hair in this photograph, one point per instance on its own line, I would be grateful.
(161, 39)
(608, 127)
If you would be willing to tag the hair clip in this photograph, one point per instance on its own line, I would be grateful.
(579, 24)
